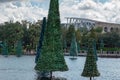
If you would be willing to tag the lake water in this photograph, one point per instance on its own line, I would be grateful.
(14, 68)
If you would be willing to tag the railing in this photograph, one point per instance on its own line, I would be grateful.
(112, 54)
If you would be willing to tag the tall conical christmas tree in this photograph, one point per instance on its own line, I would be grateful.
(42, 73)
(90, 68)
(73, 47)
(52, 58)
(19, 49)
(40, 40)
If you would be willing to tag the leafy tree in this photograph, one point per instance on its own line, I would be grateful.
(52, 58)
(84, 42)
(11, 33)
(78, 35)
(26, 37)
(84, 30)
(64, 31)
(111, 39)
(69, 34)
(98, 32)
(90, 67)
(34, 31)
(98, 29)
(92, 33)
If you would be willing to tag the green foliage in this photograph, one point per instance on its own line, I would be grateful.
(64, 31)
(26, 37)
(98, 29)
(101, 44)
(111, 39)
(83, 30)
(64, 44)
(52, 58)
(34, 33)
(111, 49)
(73, 47)
(31, 35)
(78, 35)
(69, 34)
(90, 67)
(92, 34)
(11, 32)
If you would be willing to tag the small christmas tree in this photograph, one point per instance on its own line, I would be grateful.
(19, 49)
(52, 58)
(90, 68)
(5, 49)
(73, 47)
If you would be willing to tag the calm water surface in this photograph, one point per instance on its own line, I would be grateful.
(13, 68)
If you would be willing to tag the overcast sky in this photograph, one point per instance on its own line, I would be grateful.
(33, 10)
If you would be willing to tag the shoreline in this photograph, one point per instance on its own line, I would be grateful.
(99, 55)
(82, 55)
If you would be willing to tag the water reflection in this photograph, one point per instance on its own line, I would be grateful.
(40, 77)
(13, 68)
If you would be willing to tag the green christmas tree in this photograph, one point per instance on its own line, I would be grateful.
(5, 49)
(90, 68)
(73, 47)
(19, 49)
(40, 40)
(52, 58)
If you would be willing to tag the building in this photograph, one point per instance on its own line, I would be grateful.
(82, 22)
